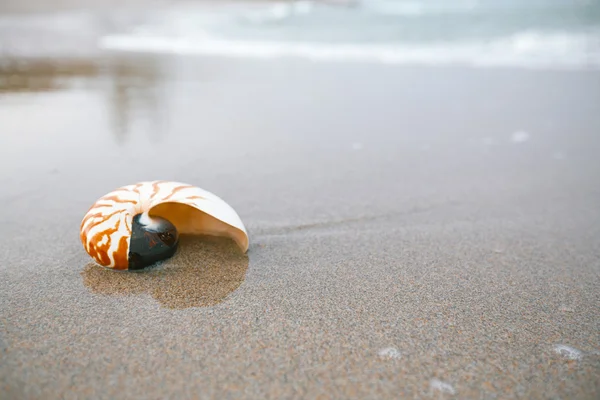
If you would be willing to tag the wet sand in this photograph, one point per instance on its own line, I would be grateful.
(203, 272)
(414, 232)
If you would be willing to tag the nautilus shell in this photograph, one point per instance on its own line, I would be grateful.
(136, 226)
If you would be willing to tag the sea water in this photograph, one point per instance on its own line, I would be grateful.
(482, 33)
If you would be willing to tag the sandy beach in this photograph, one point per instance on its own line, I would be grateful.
(414, 232)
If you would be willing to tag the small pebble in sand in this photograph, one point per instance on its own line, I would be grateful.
(567, 352)
(443, 387)
(566, 309)
(519, 137)
(389, 352)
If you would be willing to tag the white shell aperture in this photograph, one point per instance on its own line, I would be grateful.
(106, 229)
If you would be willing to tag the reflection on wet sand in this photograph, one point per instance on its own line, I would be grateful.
(19, 75)
(132, 87)
(203, 272)
(135, 96)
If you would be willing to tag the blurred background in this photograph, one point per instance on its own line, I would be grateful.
(357, 92)
(73, 35)
(130, 57)
(535, 33)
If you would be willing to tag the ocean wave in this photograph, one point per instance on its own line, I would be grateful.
(418, 8)
(279, 11)
(529, 49)
(407, 8)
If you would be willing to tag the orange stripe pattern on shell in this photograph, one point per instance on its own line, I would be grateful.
(106, 228)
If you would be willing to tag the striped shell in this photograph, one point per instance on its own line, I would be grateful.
(106, 229)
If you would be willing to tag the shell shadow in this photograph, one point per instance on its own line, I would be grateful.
(203, 272)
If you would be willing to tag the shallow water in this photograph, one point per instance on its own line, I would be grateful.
(550, 34)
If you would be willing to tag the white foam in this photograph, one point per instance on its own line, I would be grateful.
(274, 13)
(441, 386)
(397, 8)
(303, 7)
(527, 50)
(390, 352)
(419, 8)
(277, 12)
(568, 352)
